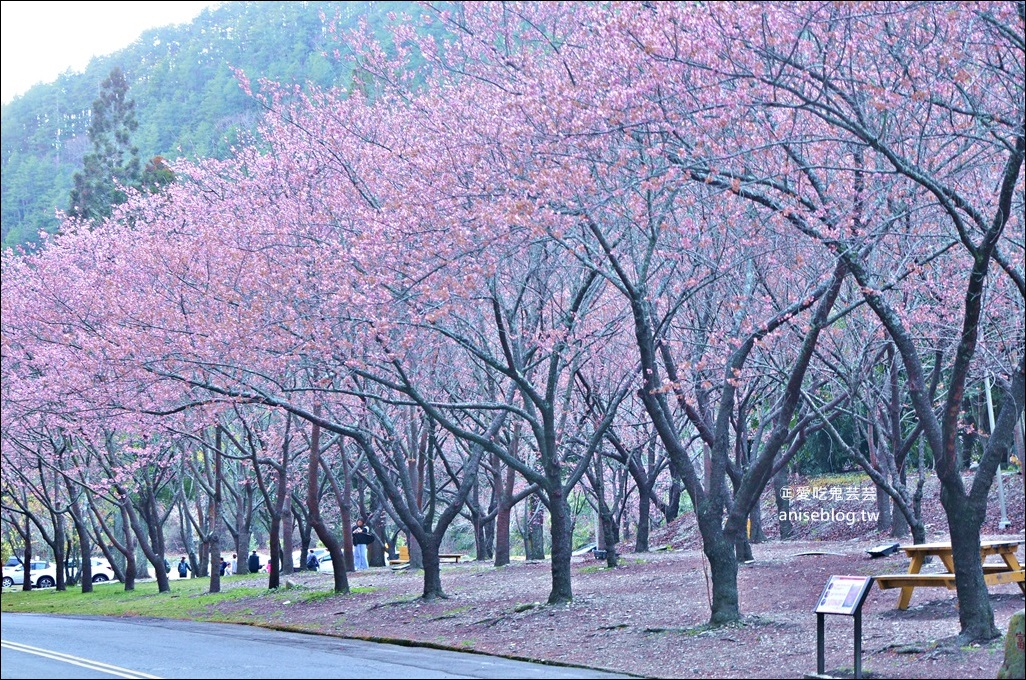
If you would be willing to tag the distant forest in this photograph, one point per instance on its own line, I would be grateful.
(188, 102)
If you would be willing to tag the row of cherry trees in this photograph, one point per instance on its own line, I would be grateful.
(564, 232)
(204, 489)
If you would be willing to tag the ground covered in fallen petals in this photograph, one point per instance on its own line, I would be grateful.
(648, 616)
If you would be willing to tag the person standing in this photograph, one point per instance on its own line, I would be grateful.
(362, 537)
(253, 563)
(312, 563)
(183, 568)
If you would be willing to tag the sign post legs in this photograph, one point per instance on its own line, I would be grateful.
(858, 643)
(843, 595)
(820, 644)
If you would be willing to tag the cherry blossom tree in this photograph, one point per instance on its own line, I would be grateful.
(858, 111)
(682, 201)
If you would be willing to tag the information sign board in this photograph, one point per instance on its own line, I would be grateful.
(843, 595)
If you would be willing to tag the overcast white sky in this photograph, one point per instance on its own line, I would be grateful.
(41, 40)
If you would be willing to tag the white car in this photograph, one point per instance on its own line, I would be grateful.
(102, 571)
(42, 575)
(585, 550)
(299, 559)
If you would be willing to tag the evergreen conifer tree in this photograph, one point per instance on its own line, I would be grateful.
(113, 164)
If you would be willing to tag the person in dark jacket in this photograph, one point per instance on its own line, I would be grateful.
(183, 568)
(362, 537)
(254, 563)
(312, 563)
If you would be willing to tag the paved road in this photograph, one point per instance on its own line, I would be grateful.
(41, 646)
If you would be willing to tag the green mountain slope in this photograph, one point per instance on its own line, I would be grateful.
(188, 102)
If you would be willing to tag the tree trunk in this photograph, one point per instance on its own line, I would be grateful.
(975, 613)
(155, 557)
(415, 552)
(85, 542)
(559, 518)
(306, 535)
(609, 532)
(606, 528)
(243, 528)
(534, 536)
(673, 502)
(288, 547)
(912, 516)
(214, 517)
(742, 539)
(26, 583)
(706, 465)
(215, 561)
(784, 524)
(879, 463)
(185, 531)
(1020, 441)
(504, 512)
(482, 547)
(99, 529)
(376, 550)
(644, 521)
(488, 528)
(757, 534)
(282, 499)
(723, 567)
(274, 537)
(502, 522)
(131, 564)
(743, 549)
(432, 567)
(883, 508)
(341, 582)
(59, 554)
(899, 525)
(345, 507)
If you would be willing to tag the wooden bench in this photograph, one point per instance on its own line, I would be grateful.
(886, 581)
(402, 559)
(993, 575)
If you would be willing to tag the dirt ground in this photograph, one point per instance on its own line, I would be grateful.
(647, 616)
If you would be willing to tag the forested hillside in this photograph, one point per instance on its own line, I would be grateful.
(188, 102)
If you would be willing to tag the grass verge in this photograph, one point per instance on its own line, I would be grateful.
(187, 599)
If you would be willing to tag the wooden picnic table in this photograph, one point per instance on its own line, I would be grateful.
(1007, 571)
(402, 558)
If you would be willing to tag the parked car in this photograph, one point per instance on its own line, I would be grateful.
(299, 559)
(41, 575)
(585, 549)
(102, 571)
